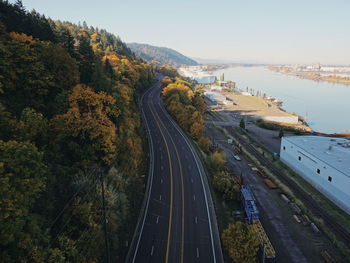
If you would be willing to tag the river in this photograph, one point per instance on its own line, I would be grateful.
(325, 106)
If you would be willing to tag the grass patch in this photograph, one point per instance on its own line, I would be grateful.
(275, 127)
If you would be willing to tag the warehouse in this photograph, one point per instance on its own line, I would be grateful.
(216, 97)
(324, 162)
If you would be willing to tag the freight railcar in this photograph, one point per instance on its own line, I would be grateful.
(266, 253)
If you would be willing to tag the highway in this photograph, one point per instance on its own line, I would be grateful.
(177, 222)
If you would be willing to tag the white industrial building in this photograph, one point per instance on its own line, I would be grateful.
(216, 97)
(324, 162)
(215, 87)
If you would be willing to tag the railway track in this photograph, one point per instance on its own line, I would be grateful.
(331, 222)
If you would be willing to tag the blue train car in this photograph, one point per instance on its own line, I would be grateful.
(249, 204)
(266, 253)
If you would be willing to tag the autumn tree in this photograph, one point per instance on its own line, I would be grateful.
(198, 102)
(86, 129)
(165, 82)
(241, 242)
(197, 125)
(216, 161)
(74, 128)
(204, 143)
(225, 184)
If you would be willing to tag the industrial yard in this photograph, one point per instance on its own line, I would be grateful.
(293, 235)
(236, 105)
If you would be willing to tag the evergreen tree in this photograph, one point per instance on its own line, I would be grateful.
(242, 124)
(281, 133)
(222, 77)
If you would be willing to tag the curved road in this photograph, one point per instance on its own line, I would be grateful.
(178, 222)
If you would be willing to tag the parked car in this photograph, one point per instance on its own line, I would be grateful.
(237, 157)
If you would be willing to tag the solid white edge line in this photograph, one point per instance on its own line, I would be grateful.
(201, 175)
(150, 142)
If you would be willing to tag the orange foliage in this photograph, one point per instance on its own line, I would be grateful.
(22, 38)
(88, 118)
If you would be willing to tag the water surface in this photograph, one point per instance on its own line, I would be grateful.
(326, 106)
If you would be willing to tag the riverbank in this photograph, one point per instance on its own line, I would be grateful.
(313, 75)
(324, 106)
(253, 109)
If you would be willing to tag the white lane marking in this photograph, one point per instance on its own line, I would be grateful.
(161, 180)
(157, 219)
(194, 198)
(197, 253)
(191, 180)
(152, 250)
(201, 171)
(196, 220)
(149, 184)
(160, 197)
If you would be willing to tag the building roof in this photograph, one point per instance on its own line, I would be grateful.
(333, 151)
(214, 96)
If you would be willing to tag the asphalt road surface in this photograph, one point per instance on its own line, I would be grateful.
(178, 222)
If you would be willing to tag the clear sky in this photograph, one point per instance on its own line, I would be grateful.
(267, 31)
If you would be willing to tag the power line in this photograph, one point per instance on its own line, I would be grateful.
(104, 216)
(70, 217)
(71, 199)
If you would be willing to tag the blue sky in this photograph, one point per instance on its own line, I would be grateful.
(268, 31)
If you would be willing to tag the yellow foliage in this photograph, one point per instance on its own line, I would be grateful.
(241, 242)
(165, 82)
(204, 143)
(216, 161)
(179, 100)
(178, 88)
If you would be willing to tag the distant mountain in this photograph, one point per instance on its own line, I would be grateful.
(161, 55)
(213, 61)
(229, 61)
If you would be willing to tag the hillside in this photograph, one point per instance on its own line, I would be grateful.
(69, 127)
(161, 55)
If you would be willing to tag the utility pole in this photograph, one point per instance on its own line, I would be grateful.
(104, 218)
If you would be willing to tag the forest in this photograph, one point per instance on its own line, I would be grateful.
(161, 55)
(69, 130)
